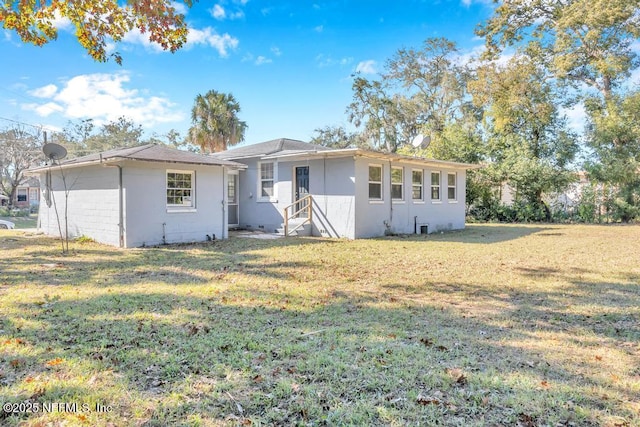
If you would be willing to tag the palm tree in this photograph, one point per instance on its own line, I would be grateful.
(215, 122)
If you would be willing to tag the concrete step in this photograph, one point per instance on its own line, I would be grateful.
(305, 230)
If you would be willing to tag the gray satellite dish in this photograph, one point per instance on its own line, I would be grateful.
(421, 141)
(54, 151)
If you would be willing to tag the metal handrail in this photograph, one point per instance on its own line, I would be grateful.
(288, 216)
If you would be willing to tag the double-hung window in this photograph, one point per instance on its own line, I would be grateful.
(397, 183)
(375, 182)
(180, 189)
(266, 181)
(416, 184)
(451, 186)
(435, 185)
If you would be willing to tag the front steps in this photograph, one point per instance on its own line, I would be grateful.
(304, 230)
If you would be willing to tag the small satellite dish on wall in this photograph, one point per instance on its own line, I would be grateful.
(54, 151)
(421, 141)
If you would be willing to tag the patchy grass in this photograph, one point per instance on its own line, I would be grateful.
(22, 222)
(495, 325)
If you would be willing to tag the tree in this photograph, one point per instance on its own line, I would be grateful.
(421, 91)
(19, 150)
(338, 137)
(82, 138)
(215, 123)
(581, 41)
(614, 137)
(97, 22)
(529, 143)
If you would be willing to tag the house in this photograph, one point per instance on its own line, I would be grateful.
(296, 187)
(27, 194)
(129, 197)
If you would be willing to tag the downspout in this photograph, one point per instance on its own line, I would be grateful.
(390, 195)
(120, 203)
(225, 177)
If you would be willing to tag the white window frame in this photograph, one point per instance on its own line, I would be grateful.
(414, 185)
(191, 207)
(454, 187)
(274, 179)
(395, 183)
(380, 183)
(434, 186)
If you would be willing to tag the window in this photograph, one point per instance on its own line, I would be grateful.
(266, 180)
(435, 185)
(180, 192)
(33, 195)
(451, 185)
(22, 194)
(416, 184)
(375, 182)
(397, 183)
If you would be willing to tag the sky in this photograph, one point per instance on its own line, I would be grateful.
(289, 64)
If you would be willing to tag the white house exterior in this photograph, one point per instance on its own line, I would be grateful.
(131, 197)
(356, 193)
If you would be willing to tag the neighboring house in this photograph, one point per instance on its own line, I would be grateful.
(27, 193)
(129, 197)
(354, 193)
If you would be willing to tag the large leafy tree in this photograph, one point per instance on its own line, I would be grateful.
(97, 22)
(20, 149)
(529, 143)
(581, 41)
(338, 137)
(215, 122)
(84, 137)
(614, 136)
(420, 91)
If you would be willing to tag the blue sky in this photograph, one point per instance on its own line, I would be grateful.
(288, 63)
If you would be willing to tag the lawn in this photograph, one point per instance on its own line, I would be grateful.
(494, 325)
(30, 221)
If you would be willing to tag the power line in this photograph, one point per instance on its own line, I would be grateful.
(39, 127)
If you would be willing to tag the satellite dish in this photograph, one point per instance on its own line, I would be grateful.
(421, 141)
(54, 151)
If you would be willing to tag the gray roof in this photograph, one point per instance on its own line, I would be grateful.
(149, 153)
(268, 147)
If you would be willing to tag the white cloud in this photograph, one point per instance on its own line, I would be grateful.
(208, 36)
(179, 7)
(260, 60)
(328, 61)
(319, 28)
(45, 91)
(104, 98)
(136, 37)
(576, 117)
(218, 12)
(276, 51)
(366, 67)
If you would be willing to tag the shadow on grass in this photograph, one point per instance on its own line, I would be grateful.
(193, 263)
(482, 234)
(341, 361)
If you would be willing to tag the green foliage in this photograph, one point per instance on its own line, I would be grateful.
(16, 213)
(215, 123)
(20, 149)
(338, 137)
(615, 139)
(580, 41)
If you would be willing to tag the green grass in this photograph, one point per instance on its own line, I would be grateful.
(494, 325)
(22, 222)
